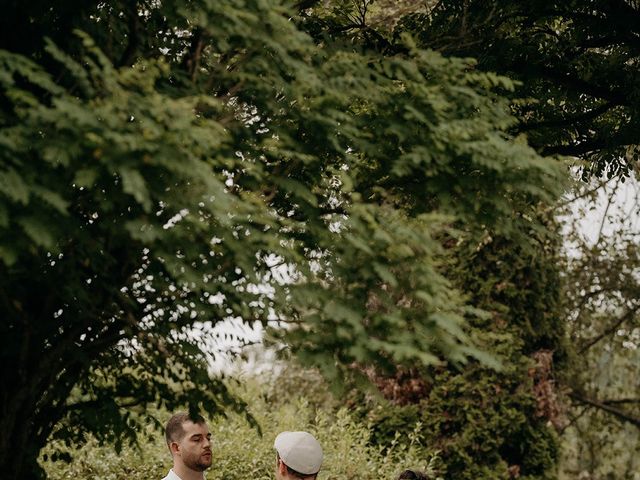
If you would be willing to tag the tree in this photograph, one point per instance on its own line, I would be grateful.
(160, 164)
(576, 59)
(486, 423)
(576, 62)
(601, 303)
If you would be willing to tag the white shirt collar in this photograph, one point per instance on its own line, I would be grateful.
(174, 476)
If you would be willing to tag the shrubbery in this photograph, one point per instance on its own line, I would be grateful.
(240, 451)
(483, 424)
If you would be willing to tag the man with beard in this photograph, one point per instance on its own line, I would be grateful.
(189, 442)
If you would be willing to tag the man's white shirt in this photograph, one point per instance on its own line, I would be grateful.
(172, 476)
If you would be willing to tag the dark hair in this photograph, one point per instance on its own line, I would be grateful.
(295, 473)
(173, 431)
(412, 475)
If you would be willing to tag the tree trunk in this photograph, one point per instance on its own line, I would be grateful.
(18, 451)
(34, 389)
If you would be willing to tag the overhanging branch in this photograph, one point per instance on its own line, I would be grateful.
(616, 412)
(560, 122)
(621, 401)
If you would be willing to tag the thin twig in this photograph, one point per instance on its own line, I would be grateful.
(608, 331)
(606, 211)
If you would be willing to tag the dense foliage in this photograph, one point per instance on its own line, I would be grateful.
(159, 175)
(342, 169)
(489, 424)
(577, 61)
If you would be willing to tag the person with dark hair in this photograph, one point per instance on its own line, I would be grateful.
(412, 475)
(298, 456)
(189, 442)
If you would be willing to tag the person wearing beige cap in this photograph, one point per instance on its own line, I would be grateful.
(298, 455)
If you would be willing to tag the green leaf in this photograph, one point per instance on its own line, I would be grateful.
(52, 198)
(385, 274)
(56, 155)
(12, 185)
(339, 311)
(38, 230)
(75, 68)
(134, 184)
(8, 255)
(142, 230)
(85, 177)
(359, 243)
(298, 189)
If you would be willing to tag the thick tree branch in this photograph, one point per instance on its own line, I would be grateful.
(621, 401)
(304, 4)
(576, 149)
(192, 58)
(133, 43)
(616, 412)
(568, 79)
(47, 410)
(560, 122)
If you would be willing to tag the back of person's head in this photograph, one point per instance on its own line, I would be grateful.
(300, 453)
(412, 475)
(174, 431)
(295, 474)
